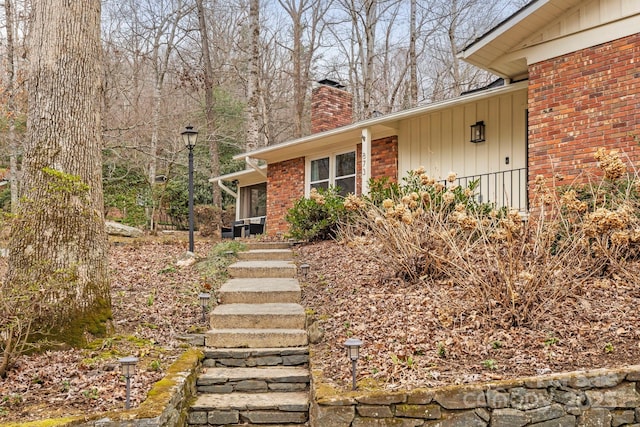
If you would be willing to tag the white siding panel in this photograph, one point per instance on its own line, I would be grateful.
(439, 140)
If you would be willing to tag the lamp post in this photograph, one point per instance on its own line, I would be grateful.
(204, 302)
(189, 137)
(353, 351)
(304, 269)
(128, 368)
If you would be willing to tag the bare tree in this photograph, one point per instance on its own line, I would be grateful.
(253, 74)
(11, 106)
(209, 100)
(307, 27)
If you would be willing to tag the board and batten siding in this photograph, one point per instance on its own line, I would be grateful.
(439, 140)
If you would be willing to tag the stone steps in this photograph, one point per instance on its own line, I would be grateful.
(255, 371)
(253, 245)
(244, 357)
(262, 269)
(253, 380)
(265, 255)
(259, 291)
(258, 408)
(258, 316)
(255, 338)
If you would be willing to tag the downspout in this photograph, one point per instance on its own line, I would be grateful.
(366, 160)
(254, 165)
(227, 189)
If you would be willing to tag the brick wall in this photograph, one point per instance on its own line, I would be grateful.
(384, 158)
(285, 184)
(580, 102)
(285, 181)
(331, 107)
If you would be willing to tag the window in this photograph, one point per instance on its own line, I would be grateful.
(320, 173)
(254, 200)
(336, 170)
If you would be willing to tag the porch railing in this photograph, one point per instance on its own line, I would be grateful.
(501, 189)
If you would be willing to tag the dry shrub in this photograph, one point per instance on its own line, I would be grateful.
(494, 265)
(208, 219)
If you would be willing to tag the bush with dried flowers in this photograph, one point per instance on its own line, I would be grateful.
(508, 269)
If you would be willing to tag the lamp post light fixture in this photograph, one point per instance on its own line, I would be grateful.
(478, 132)
(353, 351)
(128, 369)
(204, 303)
(189, 137)
(304, 269)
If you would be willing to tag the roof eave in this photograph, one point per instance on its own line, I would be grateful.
(276, 153)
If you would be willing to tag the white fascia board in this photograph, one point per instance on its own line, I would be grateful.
(387, 120)
(503, 28)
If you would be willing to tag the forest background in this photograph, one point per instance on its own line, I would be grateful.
(241, 72)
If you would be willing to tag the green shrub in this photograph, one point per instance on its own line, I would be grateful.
(317, 217)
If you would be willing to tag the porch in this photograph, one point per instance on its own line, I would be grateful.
(507, 188)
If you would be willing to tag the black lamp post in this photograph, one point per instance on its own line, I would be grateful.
(189, 137)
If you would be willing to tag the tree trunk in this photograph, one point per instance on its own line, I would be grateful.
(11, 108)
(413, 61)
(209, 101)
(253, 128)
(58, 247)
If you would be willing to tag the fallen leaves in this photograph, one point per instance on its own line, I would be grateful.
(154, 302)
(412, 341)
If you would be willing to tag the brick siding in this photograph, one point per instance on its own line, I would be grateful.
(330, 108)
(285, 184)
(285, 181)
(580, 102)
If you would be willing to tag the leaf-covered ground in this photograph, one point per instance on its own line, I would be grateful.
(412, 340)
(154, 302)
(409, 339)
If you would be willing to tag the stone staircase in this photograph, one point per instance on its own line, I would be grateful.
(255, 370)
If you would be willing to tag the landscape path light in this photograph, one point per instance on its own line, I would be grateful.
(353, 351)
(189, 137)
(128, 369)
(304, 269)
(204, 303)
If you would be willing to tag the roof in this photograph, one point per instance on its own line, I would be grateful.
(548, 28)
(486, 50)
(382, 126)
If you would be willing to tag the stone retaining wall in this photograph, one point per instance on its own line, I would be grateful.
(166, 404)
(583, 398)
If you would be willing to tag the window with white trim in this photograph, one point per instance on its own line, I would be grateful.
(336, 170)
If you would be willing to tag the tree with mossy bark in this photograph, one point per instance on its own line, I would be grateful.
(57, 276)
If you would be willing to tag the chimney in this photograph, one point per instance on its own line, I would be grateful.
(331, 106)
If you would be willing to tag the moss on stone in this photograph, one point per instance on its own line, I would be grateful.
(57, 422)
(162, 391)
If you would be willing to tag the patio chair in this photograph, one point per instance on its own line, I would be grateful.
(257, 228)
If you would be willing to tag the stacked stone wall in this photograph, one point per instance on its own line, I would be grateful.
(585, 398)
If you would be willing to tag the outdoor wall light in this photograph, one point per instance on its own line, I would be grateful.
(353, 351)
(128, 369)
(478, 132)
(204, 303)
(304, 269)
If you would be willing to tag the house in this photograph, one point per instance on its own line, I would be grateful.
(570, 73)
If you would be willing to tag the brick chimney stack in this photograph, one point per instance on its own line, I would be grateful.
(331, 106)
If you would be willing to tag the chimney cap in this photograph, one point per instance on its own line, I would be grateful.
(332, 83)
